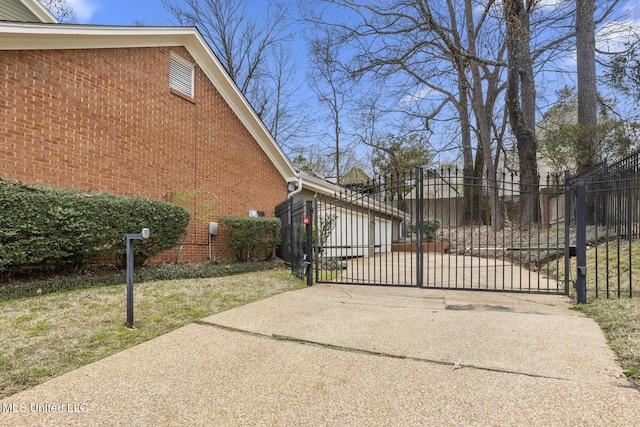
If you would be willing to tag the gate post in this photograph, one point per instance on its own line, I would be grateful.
(567, 229)
(581, 244)
(289, 234)
(308, 256)
(419, 226)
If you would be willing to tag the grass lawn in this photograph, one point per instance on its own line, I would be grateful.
(327, 275)
(48, 335)
(620, 321)
(610, 267)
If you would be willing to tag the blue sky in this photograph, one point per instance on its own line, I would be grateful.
(152, 12)
(120, 12)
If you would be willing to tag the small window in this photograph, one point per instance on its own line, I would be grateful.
(181, 75)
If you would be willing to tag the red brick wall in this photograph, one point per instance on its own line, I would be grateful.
(106, 120)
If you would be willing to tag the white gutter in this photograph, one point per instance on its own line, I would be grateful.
(297, 190)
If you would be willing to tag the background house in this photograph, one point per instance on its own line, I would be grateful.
(362, 226)
(355, 179)
(551, 195)
(441, 199)
(144, 111)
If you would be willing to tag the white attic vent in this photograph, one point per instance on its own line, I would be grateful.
(181, 75)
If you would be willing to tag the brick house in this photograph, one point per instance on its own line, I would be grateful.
(135, 111)
(144, 111)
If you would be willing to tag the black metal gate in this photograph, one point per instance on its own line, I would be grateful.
(296, 236)
(437, 229)
(440, 229)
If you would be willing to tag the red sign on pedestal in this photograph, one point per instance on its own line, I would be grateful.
(306, 220)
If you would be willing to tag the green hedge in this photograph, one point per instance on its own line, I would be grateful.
(62, 229)
(251, 238)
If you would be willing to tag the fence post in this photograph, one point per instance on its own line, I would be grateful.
(605, 196)
(316, 251)
(581, 244)
(567, 229)
(419, 226)
(310, 249)
(630, 235)
(129, 259)
(290, 234)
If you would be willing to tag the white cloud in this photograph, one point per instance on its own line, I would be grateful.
(84, 9)
(611, 38)
(416, 96)
(549, 4)
(613, 35)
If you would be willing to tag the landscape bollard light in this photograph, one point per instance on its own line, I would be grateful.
(130, 238)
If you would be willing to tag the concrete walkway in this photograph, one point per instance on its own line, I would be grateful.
(336, 355)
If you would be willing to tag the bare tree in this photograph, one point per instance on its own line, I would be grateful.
(313, 159)
(61, 10)
(281, 112)
(448, 58)
(420, 47)
(482, 115)
(328, 81)
(252, 50)
(521, 103)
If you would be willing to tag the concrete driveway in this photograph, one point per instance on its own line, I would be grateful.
(337, 355)
(448, 271)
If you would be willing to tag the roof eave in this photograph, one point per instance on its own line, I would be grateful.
(319, 186)
(41, 12)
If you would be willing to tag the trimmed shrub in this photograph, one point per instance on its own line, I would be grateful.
(62, 229)
(251, 238)
(430, 228)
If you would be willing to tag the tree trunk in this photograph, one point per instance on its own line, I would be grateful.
(484, 133)
(520, 101)
(472, 169)
(587, 91)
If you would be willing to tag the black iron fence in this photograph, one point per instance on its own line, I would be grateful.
(611, 227)
(440, 229)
